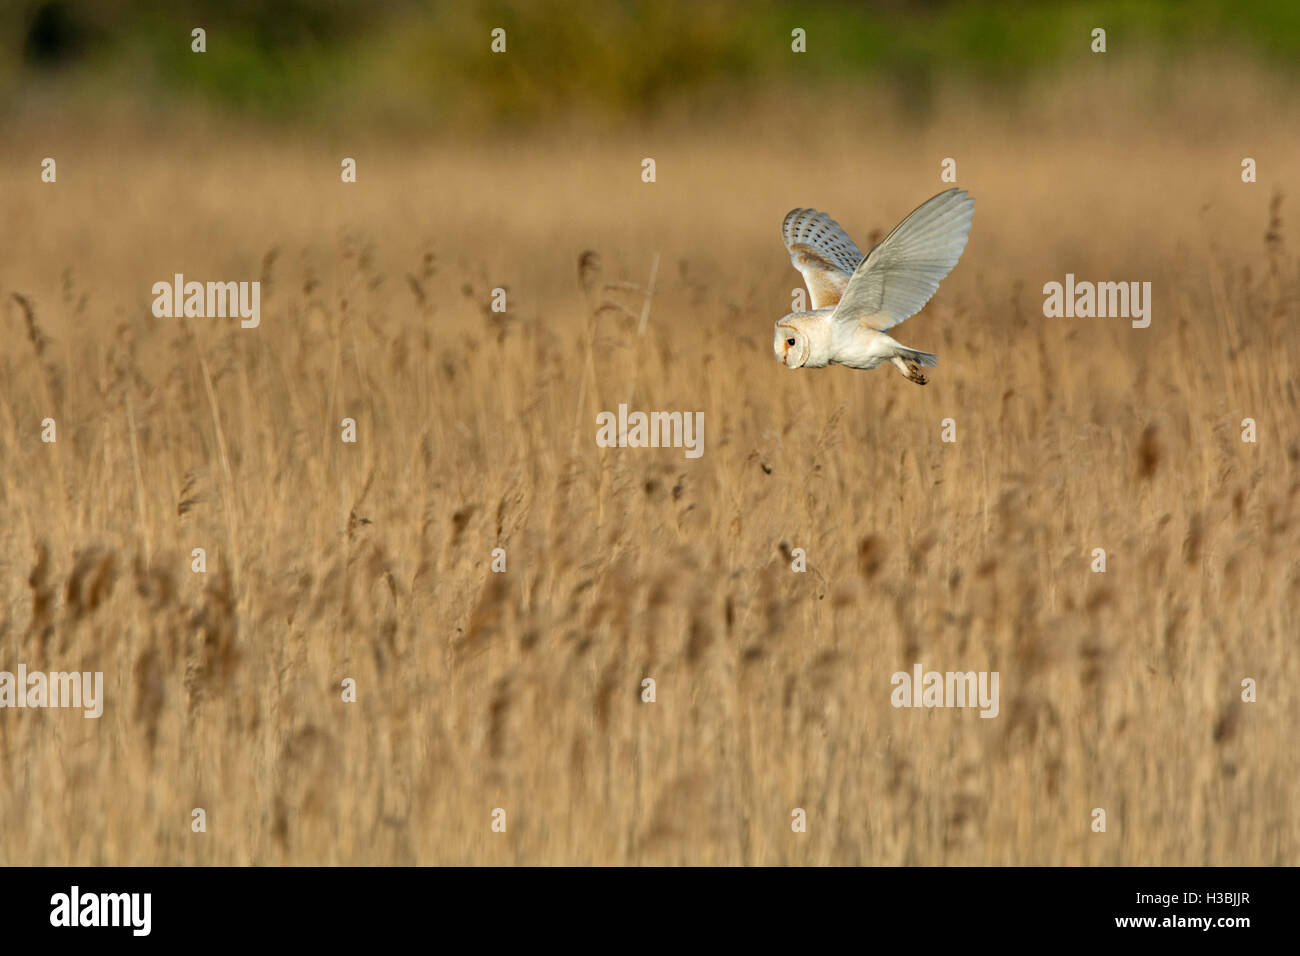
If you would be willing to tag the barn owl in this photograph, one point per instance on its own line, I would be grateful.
(856, 300)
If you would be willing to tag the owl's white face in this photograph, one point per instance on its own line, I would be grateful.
(790, 345)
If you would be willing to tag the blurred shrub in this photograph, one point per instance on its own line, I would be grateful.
(427, 63)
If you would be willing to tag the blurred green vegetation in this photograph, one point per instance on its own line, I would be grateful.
(428, 63)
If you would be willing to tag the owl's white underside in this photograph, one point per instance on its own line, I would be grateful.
(837, 343)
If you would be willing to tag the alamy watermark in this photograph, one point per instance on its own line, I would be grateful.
(651, 430)
(82, 689)
(950, 689)
(1101, 300)
(76, 908)
(211, 300)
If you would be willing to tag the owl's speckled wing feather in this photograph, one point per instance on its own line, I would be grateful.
(903, 271)
(822, 252)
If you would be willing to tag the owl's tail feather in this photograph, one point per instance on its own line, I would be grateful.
(924, 359)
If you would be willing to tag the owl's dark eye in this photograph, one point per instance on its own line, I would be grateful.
(789, 341)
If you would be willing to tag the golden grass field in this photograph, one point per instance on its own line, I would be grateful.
(522, 690)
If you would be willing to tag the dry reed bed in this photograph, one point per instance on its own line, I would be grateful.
(476, 431)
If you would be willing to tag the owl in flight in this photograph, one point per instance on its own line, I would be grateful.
(855, 301)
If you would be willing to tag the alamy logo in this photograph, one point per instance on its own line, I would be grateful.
(1101, 300)
(103, 909)
(55, 689)
(651, 430)
(212, 300)
(951, 689)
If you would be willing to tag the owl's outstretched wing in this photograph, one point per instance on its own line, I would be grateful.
(900, 275)
(822, 252)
